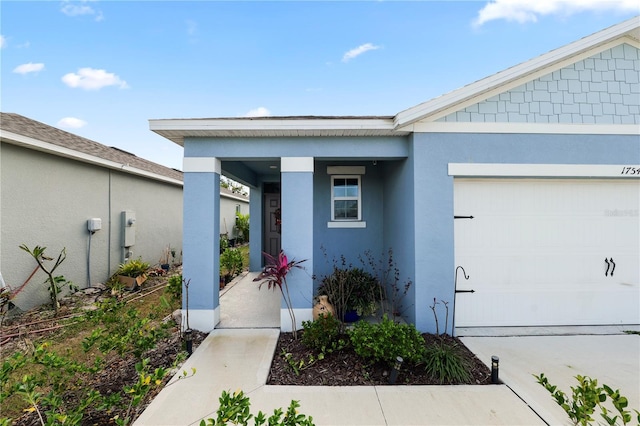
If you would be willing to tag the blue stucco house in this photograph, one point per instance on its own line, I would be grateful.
(545, 156)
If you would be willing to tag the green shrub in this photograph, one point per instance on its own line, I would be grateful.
(366, 292)
(224, 243)
(352, 289)
(236, 409)
(122, 330)
(387, 340)
(321, 334)
(586, 398)
(231, 262)
(445, 363)
(133, 268)
(174, 287)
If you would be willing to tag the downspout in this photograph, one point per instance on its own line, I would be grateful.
(109, 233)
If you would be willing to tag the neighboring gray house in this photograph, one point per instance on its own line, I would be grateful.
(230, 204)
(53, 183)
(545, 156)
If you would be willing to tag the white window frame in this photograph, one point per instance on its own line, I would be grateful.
(346, 222)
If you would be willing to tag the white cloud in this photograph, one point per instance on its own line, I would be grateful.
(27, 68)
(358, 51)
(3, 42)
(93, 79)
(522, 11)
(258, 112)
(71, 123)
(79, 9)
(192, 27)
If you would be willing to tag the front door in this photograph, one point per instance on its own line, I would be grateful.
(271, 225)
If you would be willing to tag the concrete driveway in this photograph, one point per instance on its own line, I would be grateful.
(611, 359)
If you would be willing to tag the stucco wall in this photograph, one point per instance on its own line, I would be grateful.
(603, 89)
(399, 232)
(46, 200)
(348, 242)
(434, 254)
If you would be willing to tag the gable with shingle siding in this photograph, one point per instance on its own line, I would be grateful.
(602, 89)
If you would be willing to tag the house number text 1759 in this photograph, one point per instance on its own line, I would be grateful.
(630, 171)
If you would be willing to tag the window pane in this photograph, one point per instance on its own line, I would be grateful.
(345, 209)
(351, 187)
(345, 187)
(339, 187)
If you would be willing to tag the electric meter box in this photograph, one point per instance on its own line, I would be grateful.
(94, 224)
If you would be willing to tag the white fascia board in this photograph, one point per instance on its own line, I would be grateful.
(525, 128)
(544, 170)
(60, 151)
(529, 70)
(248, 124)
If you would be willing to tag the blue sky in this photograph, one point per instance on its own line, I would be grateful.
(102, 69)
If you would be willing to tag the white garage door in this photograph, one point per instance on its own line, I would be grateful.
(547, 252)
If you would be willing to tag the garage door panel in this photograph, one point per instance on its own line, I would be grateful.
(507, 308)
(536, 251)
(574, 271)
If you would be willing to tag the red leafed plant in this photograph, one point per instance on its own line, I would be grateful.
(274, 275)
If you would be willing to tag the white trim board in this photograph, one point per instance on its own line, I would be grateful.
(346, 170)
(620, 171)
(347, 224)
(201, 165)
(296, 164)
(204, 320)
(525, 128)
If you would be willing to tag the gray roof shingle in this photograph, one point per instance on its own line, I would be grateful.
(27, 127)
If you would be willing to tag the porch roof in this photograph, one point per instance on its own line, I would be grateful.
(177, 130)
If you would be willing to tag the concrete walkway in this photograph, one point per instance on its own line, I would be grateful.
(241, 358)
(611, 359)
(244, 304)
(238, 356)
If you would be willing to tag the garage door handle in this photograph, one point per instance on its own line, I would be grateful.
(614, 265)
(610, 264)
(465, 291)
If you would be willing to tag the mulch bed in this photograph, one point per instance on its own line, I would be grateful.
(346, 368)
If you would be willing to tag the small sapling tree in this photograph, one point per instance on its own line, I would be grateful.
(55, 282)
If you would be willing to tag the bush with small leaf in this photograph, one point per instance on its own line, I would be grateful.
(174, 287)
(231, 262)
(322, 334)
(588, 396)
(235, 409)
(387, 340)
